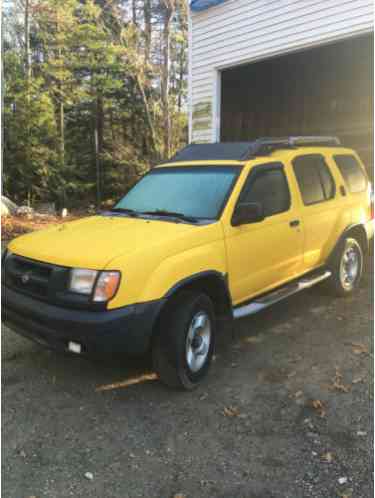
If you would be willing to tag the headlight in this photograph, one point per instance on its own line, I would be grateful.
(82, 281)
(103, 285)
(107, 285)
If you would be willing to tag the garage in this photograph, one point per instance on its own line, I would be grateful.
(282, 67)
(321, 91)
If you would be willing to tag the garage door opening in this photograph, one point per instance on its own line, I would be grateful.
(321, 91)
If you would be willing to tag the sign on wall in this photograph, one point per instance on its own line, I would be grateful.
(201, 120)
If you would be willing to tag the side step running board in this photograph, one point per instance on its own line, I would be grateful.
(280, 294)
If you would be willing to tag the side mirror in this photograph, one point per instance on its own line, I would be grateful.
(248, 212)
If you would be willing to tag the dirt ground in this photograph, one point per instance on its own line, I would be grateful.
(285, 413)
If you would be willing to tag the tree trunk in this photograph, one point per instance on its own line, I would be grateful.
(148, 115)
(62, 131)
(61, 124)
(28, 80)
(98, 136)
(27, 41)
(180, 80)
(165, 78)
(134, 11)
(148, 30)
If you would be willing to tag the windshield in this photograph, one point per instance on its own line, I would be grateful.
(199, 192)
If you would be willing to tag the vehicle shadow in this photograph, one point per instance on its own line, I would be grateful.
(107, 373)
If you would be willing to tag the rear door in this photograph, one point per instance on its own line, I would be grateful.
(321, 207)
(264, 255)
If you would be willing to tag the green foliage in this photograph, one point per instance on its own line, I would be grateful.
(29, 135)
(89, 75)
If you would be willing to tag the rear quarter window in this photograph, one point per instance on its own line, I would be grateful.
(314, 179)
(352, 173)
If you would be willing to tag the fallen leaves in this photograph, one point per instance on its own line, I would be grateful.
(356, 380)
(327, 457)
(13, 226)
(127, 383)
(319, 407)
(337, 383)
(231, 411)
(359, 348)
(347, 494)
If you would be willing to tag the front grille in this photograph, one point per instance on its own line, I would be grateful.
(40, 280)
(28, 276)
(45, 282)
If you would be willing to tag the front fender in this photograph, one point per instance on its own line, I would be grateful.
(155, 266)
(171, 271)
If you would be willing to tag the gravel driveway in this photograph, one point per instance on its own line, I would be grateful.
(285, 413)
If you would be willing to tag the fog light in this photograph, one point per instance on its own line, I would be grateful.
(74, 347)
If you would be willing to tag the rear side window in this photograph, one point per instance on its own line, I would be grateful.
(314, 179)
(269, 188)
(352, 173)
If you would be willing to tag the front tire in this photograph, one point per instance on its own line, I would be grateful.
(347, 267)
(184, 343)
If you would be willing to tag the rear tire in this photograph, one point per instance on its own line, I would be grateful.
(184, 343)
(346, 267)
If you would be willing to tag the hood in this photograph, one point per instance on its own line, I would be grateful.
(94, 242)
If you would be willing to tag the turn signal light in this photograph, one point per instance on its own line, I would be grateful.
(106, 286)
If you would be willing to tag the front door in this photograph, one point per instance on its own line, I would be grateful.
(265, 254)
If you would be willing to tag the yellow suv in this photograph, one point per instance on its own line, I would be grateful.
(219, 232)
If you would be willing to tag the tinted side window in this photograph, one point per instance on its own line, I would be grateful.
(352, 173)
(314, 179)
(270, 188)
(327, 180)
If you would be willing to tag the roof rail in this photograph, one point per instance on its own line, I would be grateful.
(241, 151)
(267, 145)
(315, 140)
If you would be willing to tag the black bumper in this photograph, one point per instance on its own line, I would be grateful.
(122, 330)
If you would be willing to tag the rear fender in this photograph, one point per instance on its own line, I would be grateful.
(357, 231)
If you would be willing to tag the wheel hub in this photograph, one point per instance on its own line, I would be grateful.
(198, 341)
(350, 266)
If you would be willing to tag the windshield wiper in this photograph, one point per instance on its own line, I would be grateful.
(172, 214)
(130, 212)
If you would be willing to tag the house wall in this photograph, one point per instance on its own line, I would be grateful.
(242, 31)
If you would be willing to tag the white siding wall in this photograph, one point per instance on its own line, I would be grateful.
(241, 31)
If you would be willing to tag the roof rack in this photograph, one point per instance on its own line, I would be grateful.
(267, 145)
(241, 151)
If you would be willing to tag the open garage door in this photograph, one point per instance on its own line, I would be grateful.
(326, 90)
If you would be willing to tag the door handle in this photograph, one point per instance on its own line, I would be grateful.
(294, 223)
(343, 190)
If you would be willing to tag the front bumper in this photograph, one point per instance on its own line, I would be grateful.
(123, 330)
